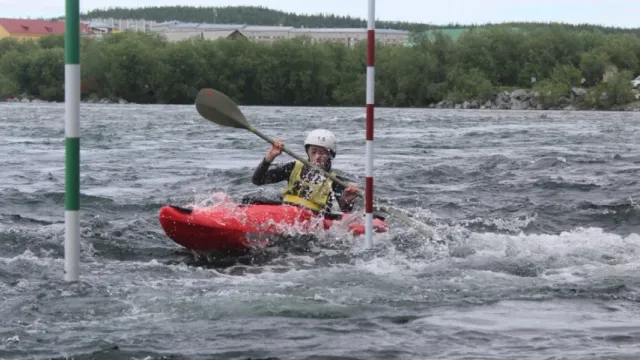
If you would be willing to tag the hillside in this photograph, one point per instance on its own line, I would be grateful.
(256, 15)
(143, 67)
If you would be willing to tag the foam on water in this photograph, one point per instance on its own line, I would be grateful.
(133, 297)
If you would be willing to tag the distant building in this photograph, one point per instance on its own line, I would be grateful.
(177, 31)
(351, 36)
(97, 27)
(205, 35)
(267, 33)
(23, 29)
(119, 25)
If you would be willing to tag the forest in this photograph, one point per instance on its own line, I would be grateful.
(258, 15)
(145, 68)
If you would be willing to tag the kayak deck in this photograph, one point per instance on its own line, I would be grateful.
(230, 227)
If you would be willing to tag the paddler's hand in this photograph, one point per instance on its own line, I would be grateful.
(350, 193)
(276, 149)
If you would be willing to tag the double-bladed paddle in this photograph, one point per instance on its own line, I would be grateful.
(220, 109)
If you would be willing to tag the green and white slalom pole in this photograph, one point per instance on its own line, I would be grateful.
(72, 140)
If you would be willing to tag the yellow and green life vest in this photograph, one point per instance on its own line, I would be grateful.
(304, 193)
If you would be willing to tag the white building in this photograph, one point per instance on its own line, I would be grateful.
(124, 24)
(351, 36)
(177, 31)
(267, 33)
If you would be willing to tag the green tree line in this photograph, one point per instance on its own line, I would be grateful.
(251, 15)
(258, 15)
(144, 68)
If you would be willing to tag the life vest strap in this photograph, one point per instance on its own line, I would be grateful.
(297, 200)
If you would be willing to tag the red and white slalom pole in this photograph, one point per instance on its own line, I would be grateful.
(371, 45)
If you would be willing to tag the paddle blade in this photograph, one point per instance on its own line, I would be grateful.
(219, 108)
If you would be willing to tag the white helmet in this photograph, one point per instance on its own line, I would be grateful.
(322, 137)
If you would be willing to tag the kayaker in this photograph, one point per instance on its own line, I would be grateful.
(308, 187)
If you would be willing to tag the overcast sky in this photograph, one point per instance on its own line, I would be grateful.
(623, 13)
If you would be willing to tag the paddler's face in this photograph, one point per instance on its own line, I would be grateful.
(318, 155)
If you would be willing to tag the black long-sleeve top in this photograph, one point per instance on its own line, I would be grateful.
(263, 175)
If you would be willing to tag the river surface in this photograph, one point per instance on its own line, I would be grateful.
(534, 251)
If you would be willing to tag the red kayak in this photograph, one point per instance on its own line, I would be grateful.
(234, 227)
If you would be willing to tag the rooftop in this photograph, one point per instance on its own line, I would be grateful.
(174, 24)
(36, 27)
